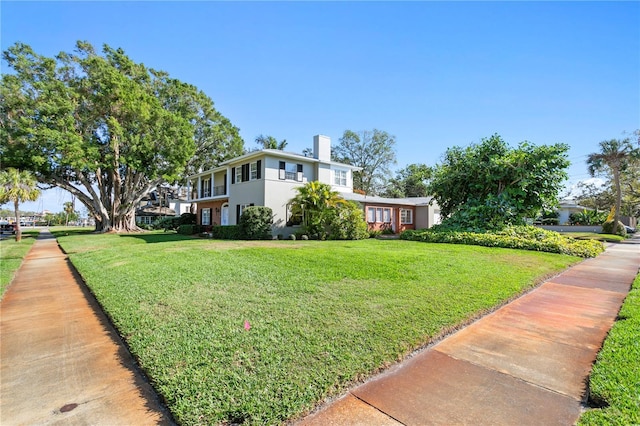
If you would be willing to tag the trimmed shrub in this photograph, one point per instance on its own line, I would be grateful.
(227, 232)
(517, 237)
(255, 223)
(346, 222)
(189, 229)
(607, 228)
(292, 237)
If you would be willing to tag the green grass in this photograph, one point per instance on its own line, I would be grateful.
(615, 379)
(594, 236)
(323, 315)
(11, 255)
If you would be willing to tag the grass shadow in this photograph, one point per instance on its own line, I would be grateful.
(159, 238)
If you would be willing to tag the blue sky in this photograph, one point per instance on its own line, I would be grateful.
(434, 74)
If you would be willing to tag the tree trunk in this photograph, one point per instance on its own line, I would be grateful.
(616, 213)
(18, 229)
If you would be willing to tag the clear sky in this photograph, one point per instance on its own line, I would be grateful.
(434, 74)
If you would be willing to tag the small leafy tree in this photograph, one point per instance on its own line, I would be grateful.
(346, 222)
(490, 185)
(312, 202)
(17, 186)
(255, 223)
(374, 151)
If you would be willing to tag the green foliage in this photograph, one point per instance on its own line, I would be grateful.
(17, 186)
(323, 315)
(255, 223)
(614, 158)
(490, 185)
(313, 202)
(607, 228)
(615, 378)
(409, 182)
(587, 217)
(173, 222)
(269, 142)
(105, 128)
(346, 222)
(226, 232)
(189, 229)
(516, 237)
(374, 151)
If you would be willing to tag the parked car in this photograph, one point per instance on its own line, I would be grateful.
(630, 230)
(7, 228)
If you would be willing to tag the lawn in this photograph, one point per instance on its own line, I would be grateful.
(11, 255)
(260, 332)
(615, 379)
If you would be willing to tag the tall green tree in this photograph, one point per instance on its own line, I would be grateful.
(105, 128)
(269, 142)
(17, 186)
(489, 185)
(409, 182)
(313, 202)
(614, 157)
(373, 151)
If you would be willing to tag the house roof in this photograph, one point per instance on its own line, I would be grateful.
(155, 211)
(410, 201)
(275, 153)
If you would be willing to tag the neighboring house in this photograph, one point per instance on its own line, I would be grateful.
(162, 202)
(398, 214)
(566, 208)
(269, 177)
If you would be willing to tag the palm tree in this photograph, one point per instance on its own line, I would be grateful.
(312, 201)
(17, 186)
(269, 142)
(614, 157)
(68, 209)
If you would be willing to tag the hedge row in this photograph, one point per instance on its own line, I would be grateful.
(517, 237)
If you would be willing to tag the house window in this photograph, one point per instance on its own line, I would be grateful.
(378, 215)
(206, 188)
(290, 171)
(254, 171)
(340, 177)
(371, 215)
(406, 217)
(206, 217)
(238, 174)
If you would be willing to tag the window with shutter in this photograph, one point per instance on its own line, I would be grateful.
(259, 169)
(281, 170)
(299, 174)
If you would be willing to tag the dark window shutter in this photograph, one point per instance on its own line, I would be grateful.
(237, 214)
(245, 172)
(281, 166)
(225, 184)
(251, 205)
(299, 168)
(233, 175)
(282, 174)
(259, 169)
(299, 176)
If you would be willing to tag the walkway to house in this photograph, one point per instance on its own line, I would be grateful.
(526, 364)
(61, 360)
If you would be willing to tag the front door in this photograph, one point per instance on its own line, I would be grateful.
(224, 219)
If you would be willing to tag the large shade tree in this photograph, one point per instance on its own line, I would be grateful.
(105, 128)
(614, 158)
(489, 185)
(409, 182)
(373, 151)
(17, 186)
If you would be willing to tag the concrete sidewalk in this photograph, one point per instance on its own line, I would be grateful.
(528, 363)
(61, 360)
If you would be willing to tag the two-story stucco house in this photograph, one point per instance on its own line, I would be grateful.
(269, 178)
(264, 178)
